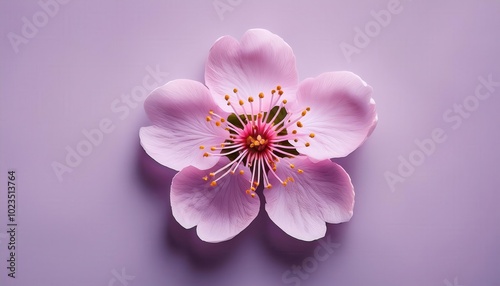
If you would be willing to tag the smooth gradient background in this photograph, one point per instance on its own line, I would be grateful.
(439, 226)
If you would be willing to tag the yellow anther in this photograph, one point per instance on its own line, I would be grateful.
(300, 171)
(227, 128)
(307, 144)
(241, 102)
(217, 123)
(211, 112)
(290, 179)
(269, 186)
(213, 148)
(252, 195)
(208, 118)
(242, 172)
(205, 154)
(205, 178)
(202, 147)
(247, 192)
(299, 124)
(256, 184)
(222, 145)
(252, 188)
(228, 103)
(273, 91)
(294, 131)
(226, 97)
(232, 172)
(278, 87)
(235, 90)
(213, 183)
(304, 113)
(261, 95)
(280, 92)
(284, 101)
(292, 166)
(212, 174)
(312, 135)
(222, 120)
(308, 108)
(250, 99)
(284, 183)
(295, 140)
(259, 115)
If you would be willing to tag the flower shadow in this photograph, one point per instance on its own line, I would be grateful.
(288, 250)
(204, 256)
(155, 177)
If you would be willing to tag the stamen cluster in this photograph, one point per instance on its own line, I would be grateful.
(257, 138)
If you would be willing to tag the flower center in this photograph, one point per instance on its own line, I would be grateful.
(256, 144)
(256, 135)
(256, 139)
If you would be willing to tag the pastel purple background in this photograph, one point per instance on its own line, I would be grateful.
(440, 226)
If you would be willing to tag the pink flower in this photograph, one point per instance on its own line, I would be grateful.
(255, 125)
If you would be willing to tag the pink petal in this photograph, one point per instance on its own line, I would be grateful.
(221, 212)
(259, 63)
(341, 118)
(178, 111)
(321, 193)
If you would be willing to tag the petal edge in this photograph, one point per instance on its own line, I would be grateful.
(219, 212)
(342, 115)
(320, 193)
(178, 111)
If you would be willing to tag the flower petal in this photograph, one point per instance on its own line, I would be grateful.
(259, 63)
(178, 111)
(342, 115)
(318, 193)
(221, 212)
